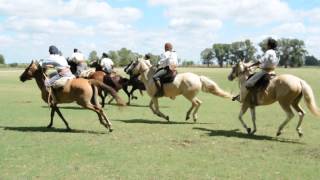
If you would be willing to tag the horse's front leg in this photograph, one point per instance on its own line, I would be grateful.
(64, 120)
(244, 108)
(51, 117)
(125, 89)
(253, 117)
(158, 112)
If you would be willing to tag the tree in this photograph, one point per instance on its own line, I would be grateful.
(125, 56)
(292, 52)
(242, 50)
(115, 57)
(187, 63)
(2, 60)
(93, 56)
(222, 52)
(311, 61)
(207, 56)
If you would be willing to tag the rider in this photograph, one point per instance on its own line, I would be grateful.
(78, 58)
(106, 63)
(147, 58)
(167, 64)
(267, 63)
(58, 62)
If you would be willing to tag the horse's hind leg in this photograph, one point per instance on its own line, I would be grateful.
(100, 114)
(253, 117)
(60, 114)
(301, 113)
(290, 115)
(198, 104)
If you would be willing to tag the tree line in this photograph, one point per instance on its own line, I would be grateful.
(292, 53)
(123, 56)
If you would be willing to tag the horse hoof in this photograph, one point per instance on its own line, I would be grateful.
(300, 135)
(110, 130)
(49, 126)
(167, 118)
(194, 120)
(248, 130)
(69, 129)
(252, 133)
(187, 118)
(278, 133)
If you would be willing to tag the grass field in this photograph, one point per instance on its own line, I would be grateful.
(144, 146)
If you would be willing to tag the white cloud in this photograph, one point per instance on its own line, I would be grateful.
(290, 28)
(254, 12)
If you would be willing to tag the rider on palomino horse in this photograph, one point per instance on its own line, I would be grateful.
(167, 66)
(267, 64)
(78, 58)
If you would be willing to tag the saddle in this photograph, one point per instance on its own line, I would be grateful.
(169, 77)
(260, 86)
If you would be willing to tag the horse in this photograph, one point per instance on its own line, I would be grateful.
(79, 90)
(114, 80)
(285, 89)
(186, 84)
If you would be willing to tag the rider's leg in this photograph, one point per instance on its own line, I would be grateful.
(156, 78)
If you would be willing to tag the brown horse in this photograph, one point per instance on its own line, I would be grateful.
(286, 89)
(82, 91)
(186, 84)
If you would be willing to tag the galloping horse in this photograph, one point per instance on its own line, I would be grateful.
(82, 91)
(115, 81)
(187, 84)
(286, 89)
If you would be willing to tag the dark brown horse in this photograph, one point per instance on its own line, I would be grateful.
(113, 80)
(81, 91)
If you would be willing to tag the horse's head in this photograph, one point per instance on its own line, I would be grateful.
(30, 71)
(238, 69)
(136, 67)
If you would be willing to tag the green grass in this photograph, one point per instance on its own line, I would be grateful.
(144, 146)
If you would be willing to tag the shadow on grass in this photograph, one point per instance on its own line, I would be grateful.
(147, 121)
(45, 129)
(137, 105)
(236, 133)
(68, 107)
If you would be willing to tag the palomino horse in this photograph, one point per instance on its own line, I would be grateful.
(82, 91)
(286, 89)
(187, 84)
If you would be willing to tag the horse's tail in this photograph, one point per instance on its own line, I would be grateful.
(108, 89)
(309, 98)
(211, 87)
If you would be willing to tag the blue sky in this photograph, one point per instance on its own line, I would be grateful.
(28, 29)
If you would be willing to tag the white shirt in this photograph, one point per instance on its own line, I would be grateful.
(57, 61)
(269, 60)
(168, 58)
(77, 57)
(106, 63)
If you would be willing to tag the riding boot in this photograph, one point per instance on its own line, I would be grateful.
(159, 92)
(236, 98)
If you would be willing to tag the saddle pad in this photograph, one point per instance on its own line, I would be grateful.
(61, 82)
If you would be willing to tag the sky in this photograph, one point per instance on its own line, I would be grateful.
(28, 28)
